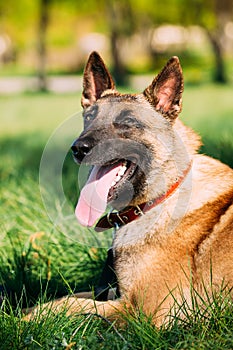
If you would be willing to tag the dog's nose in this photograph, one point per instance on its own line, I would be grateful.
(80, 149)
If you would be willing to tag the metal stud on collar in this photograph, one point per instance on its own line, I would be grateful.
(138, 211)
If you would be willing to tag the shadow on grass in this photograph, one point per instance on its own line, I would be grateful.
(30, 270)
(20, 159)
(221, 149)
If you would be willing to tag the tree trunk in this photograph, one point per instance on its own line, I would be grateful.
(114, 11)
(220, 73)
(118, 70)
(42, 49)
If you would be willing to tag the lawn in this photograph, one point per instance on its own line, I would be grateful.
(45, 253)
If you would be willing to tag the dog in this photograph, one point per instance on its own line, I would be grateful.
(173, 212)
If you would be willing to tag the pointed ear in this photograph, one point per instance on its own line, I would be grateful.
(96, 80)
(165, 92)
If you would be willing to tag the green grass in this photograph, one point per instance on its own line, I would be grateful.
(39, 260)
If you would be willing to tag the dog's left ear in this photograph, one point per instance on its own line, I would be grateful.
(96, 80)
(165, 92)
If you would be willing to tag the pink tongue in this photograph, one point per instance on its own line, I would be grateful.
(93, 197)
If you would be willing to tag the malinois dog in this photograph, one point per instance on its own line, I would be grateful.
(173, 212)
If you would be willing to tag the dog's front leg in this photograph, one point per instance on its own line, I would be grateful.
(73, 305)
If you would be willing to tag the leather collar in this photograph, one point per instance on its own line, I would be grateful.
(125, 216)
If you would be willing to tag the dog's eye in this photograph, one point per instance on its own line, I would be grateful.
(90, 114)
(127, 122)
(88, 117)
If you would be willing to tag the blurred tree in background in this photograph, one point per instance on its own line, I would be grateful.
(44, 9)
(213, 16)
(121, 22)
(56, 36)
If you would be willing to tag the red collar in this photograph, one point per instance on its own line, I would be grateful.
(129, 214)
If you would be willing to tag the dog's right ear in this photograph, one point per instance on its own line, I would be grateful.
(96, 80)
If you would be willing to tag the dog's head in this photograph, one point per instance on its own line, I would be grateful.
(128, 139)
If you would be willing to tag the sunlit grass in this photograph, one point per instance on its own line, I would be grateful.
(40, 113)
(209, 109)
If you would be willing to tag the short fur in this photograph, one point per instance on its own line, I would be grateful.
(187, 239)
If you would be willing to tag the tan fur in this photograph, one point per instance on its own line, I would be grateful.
(184, 241)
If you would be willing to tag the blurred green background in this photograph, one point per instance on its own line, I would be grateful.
(50, 37)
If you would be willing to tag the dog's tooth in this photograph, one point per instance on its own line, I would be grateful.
(122, 171)
(119, 174)
(117, 178)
